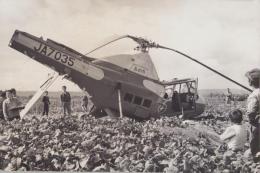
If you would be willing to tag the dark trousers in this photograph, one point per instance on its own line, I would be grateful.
(45, 109)
(85, 105)
(66, 108)
(255, 139)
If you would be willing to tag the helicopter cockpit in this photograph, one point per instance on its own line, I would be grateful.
(181, 94)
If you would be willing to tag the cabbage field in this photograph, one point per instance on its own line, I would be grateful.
(168, 144)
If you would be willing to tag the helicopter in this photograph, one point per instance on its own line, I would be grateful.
(119, 85)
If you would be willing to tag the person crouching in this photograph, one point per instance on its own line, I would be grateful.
(235, 136)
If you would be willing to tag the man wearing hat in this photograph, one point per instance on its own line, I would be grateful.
(253, 112)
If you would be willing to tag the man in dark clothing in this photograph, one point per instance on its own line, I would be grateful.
(46, 103)
(65, 101)
(176, 101)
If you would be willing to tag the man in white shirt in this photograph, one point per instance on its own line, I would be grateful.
(11, 107)
(236, 135)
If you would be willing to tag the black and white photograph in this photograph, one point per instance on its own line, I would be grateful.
(130, 86)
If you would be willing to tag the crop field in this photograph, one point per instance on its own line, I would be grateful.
(168, 144)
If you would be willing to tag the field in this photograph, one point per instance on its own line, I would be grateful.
(168, 144)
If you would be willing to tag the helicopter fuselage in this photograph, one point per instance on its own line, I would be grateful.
(141, 95)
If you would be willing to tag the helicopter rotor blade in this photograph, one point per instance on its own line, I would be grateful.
(103, 45)
(141, 41)
(149, 44)
(146, 44)
(204, 65)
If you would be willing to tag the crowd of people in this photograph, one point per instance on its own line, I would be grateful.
(10, 105)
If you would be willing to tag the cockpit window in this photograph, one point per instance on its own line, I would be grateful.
(184, 88)
(128, 97)
(192, 87)
(147, 103)
(138, 100)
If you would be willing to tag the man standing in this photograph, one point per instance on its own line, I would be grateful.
(65, 101)
(46, 103)
(253, 112)
(85, 100)
(228, 96)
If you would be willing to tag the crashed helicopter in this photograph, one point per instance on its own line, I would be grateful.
(124, 85)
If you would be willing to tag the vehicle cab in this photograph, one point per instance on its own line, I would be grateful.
(181, 97)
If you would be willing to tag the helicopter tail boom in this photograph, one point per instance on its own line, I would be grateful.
(59, 57)
(33, 41)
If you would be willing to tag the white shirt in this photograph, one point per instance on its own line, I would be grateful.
(9, 106)
(235, 136)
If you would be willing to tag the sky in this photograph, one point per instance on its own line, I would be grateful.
(224, 34)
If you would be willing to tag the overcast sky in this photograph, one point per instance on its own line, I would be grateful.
(224, 34)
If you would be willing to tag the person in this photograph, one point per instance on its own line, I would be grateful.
(235, 136)
(66, 101)
(228, 96)
(11, 107)
(253, 112)
(13, 92)
(46, 103)
(176, 101)
(85, 100)
(2, 98)
(166, 96)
